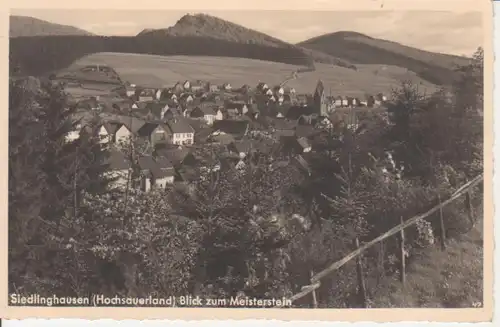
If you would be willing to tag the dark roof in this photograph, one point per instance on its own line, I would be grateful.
(175, 155)
(319, 88)
(294, 112)
(149, 127)
(156, 108)
(244, 146)
(283, 124)
(185, 96)
(222, 139)
(305, 131)
(209, 108)
(132, 123)
(117, 161)
(180, 125)
(164, 163)
(112, 126)
(302, 163)
(196, 124)
(233, 127)
(158, 168)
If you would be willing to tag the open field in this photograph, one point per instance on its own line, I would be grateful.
(164, 71)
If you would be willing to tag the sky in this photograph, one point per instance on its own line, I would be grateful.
(451, 32)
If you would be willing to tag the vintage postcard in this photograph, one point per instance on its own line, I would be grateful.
(288, 160)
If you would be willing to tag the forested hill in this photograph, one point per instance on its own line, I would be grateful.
(197, 35)
(358, 48)
(20, 26)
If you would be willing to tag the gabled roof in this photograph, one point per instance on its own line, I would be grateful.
(242, 146)
(148, 128)
(158, 168)
(111, 126)
(234, 127)
(223, 139)
(133, 124)
(117, 161)
(156, 108)
(180, 125)
(174, 155)
(196, 124)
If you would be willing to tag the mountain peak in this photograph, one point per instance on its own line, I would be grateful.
(203, 25)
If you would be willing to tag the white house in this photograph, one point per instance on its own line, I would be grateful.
(182, 132)
(279, 90)
(123, 134)
(187, 85)
(219, 115)
(158, 94)
(345, 102)
(269, 92)
(104, 135)
(130, 91)
(74, 134)
(227, 86)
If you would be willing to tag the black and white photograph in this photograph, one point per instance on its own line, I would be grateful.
(265, 159)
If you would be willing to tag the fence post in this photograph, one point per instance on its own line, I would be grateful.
(441, 221)
(361, 278)
(468, 205)
(314, 299)
(403, 258)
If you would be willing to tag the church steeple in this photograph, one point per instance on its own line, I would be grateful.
(320, 105)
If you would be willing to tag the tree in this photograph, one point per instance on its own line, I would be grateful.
(47, 175)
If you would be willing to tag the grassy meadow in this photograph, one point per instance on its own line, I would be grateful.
(164, 71)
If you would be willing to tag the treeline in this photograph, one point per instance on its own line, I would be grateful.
(257, 231)
(41, 55)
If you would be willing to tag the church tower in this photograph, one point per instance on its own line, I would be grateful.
(319, 100)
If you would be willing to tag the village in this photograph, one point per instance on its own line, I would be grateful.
(172, 126)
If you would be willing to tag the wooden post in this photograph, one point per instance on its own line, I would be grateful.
(468, 205)
(361, 278)
(443, 230)
(403, 258)
(313, 293)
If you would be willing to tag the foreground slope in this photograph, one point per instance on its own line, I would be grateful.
(20, 26)
(361, 49)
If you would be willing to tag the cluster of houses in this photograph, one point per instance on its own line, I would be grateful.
(173, 124)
